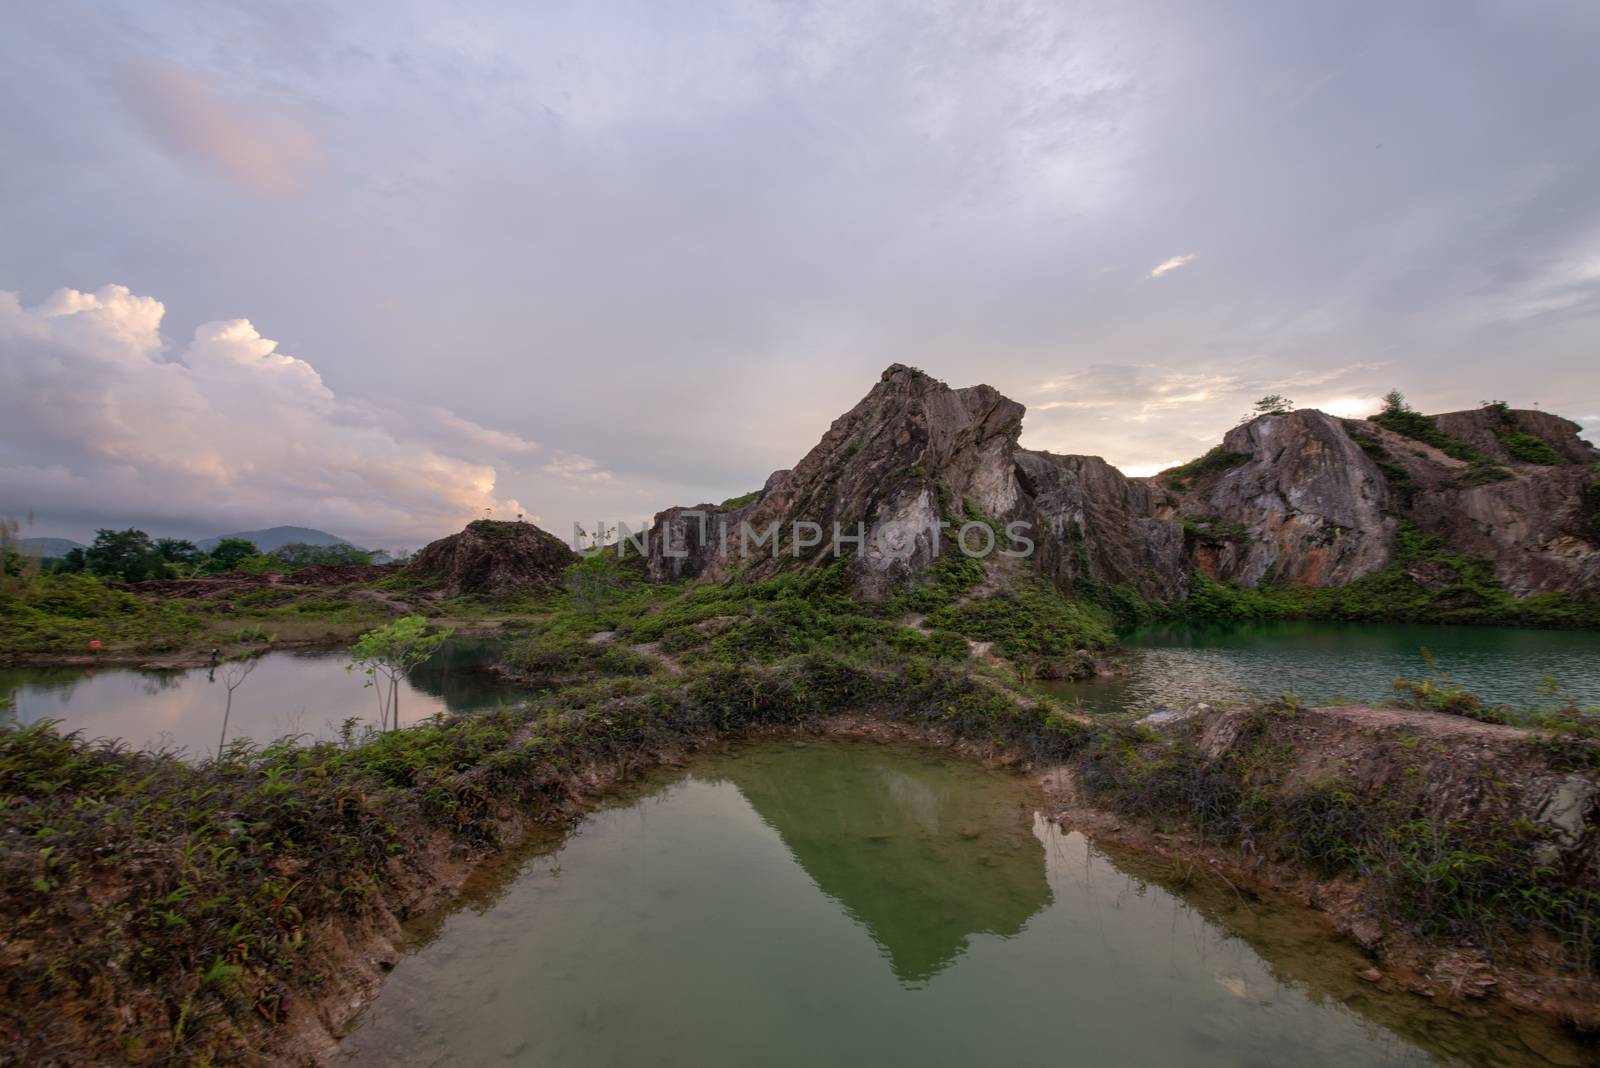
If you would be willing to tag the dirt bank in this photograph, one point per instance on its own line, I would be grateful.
(1470, 799)
(323, 854)
(1525, 991)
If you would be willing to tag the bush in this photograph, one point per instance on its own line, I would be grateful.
(1527, 449)
(1419, 427)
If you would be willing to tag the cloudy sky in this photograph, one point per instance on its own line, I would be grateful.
(378, 267)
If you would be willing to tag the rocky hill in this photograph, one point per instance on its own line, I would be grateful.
(1301, 499)
(494, 559)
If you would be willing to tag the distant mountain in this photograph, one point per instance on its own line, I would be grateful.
(277, 537)
(48, 548)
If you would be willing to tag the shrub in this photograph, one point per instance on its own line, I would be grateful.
(1527, 449)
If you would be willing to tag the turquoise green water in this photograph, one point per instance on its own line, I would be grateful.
(829, 903)
(1172, 666)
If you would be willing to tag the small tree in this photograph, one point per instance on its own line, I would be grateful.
(123, 554)
(1394, 403)
(387, 654)
(228, 554)
(178, 558)
(1274, 404)
(234, 672)
(17, 568)
(590, 581)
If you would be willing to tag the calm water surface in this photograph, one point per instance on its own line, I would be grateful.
(846, 903)
(309, 694)
(1174, 665)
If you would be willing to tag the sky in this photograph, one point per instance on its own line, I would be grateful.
(384, 268)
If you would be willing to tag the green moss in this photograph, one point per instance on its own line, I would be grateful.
(1212, 530)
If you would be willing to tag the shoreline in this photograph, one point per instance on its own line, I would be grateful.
(1538, 1007)
(426, 807)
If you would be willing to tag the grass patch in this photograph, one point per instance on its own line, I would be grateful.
(1419, 427)
(1214, 462)
(740, 501)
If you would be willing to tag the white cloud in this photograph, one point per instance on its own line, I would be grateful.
(1171, 265)
(575, 468)
(1348, 407)
(232, 433)
(1141, 416)
(1145, 470)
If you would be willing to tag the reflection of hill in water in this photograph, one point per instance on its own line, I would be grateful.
(922, 852)
(457, 673)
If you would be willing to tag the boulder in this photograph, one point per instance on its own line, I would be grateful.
(494, 559)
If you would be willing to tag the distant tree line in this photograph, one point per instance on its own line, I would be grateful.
(132, 556)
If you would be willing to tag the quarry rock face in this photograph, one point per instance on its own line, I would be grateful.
(1536, 523)
(494, 559)
(1093, 524)
(1482, 428)
(1300, 498)
(1302, 504)
(684, 542)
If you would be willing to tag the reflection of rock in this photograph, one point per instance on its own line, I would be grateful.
(921, 858)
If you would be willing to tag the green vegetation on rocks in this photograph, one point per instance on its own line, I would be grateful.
(1424, 583)
(740, 501)
(1215, 461)
(1528, 449)
(1399, 417)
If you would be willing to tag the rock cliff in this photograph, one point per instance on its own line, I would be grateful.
(1299, 499)
(1537, 523)
(1296, 500)
(908, 455)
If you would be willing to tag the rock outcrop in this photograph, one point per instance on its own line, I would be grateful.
(684, 542)
(1299, 502)
(1092, 524)
(1300, 498)
(1484, 429)
(1536, 523)
(888, 471)
(494, 559)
